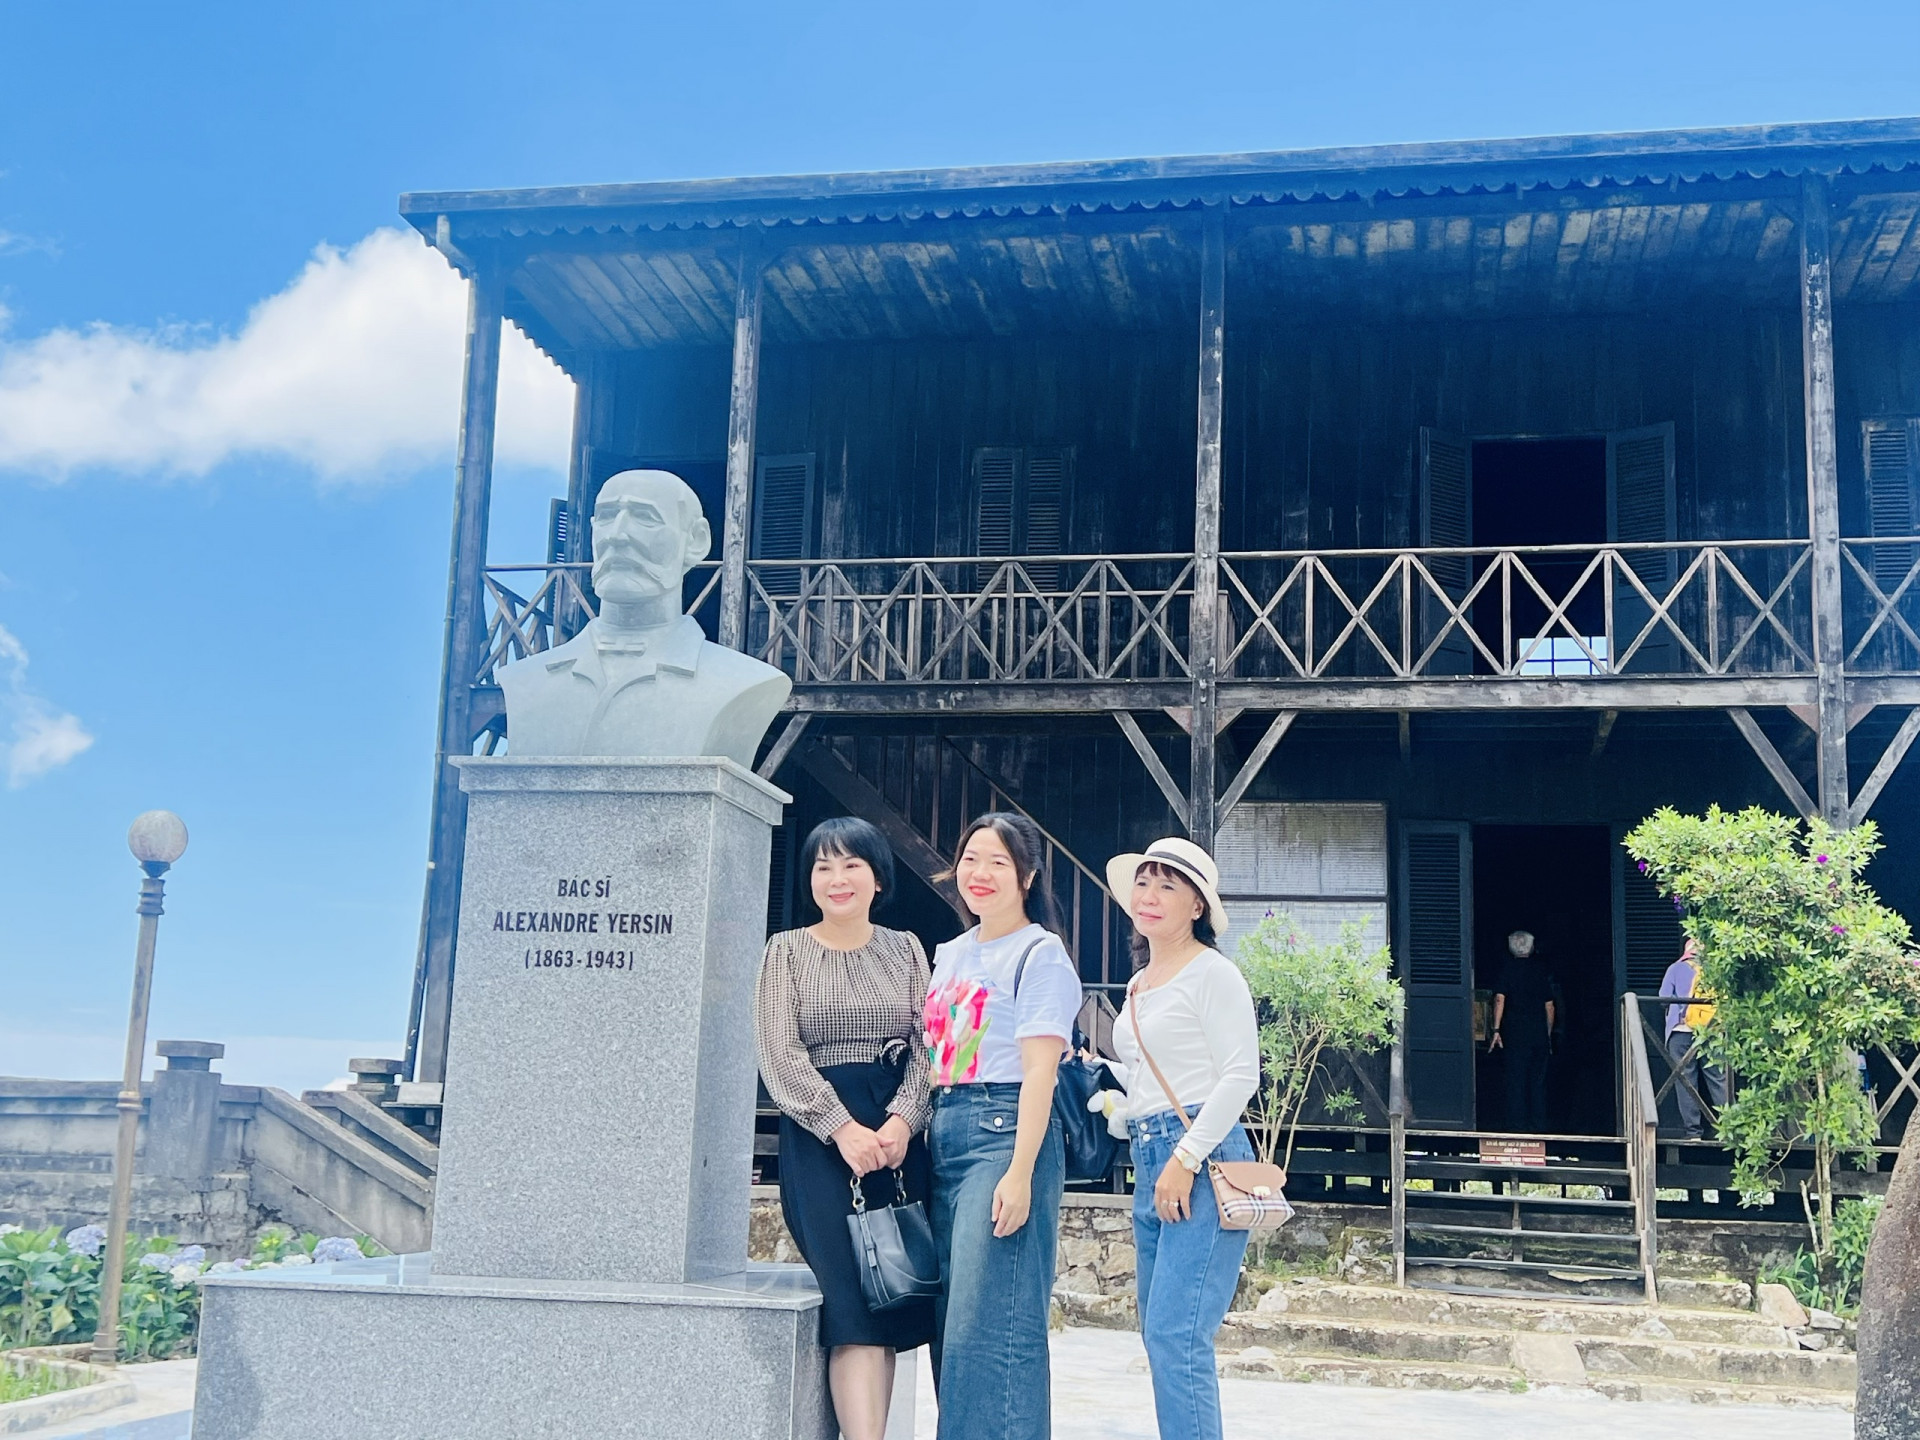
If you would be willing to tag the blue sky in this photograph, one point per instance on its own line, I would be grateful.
(225, 450)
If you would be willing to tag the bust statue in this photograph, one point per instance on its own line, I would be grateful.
(642, 679)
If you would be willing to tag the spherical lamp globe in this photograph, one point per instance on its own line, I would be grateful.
(157, 839)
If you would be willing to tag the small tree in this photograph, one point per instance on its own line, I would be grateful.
(1808, 971)
(1311, 997)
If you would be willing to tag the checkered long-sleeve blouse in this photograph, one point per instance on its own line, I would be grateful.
(817, 1007)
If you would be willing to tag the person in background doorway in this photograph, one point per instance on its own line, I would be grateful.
(837, 1021)
(1523, 1016)
(999, 1015)
(1685, 1020)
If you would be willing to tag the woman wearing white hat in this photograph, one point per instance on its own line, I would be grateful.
(1187, 1027)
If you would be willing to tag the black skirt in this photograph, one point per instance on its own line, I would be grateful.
(816, 1196)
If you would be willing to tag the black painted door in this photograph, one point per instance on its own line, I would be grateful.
(1434, 930)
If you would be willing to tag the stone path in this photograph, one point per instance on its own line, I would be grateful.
(1101, 1392)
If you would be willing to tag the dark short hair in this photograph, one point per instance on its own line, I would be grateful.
(851, 836)
(1202, 925)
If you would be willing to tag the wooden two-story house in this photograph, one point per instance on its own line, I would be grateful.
(1405, 522)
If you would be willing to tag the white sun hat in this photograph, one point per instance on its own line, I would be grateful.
(1176, 854)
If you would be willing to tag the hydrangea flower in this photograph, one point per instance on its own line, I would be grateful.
(227, 1267)
(158, 1260)
(335, 1248)
(298, 1260)
(185, 1274)
(86, 1239)
(11, 1229)
(191, 1255)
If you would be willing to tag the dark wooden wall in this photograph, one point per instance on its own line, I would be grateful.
(1321, 419)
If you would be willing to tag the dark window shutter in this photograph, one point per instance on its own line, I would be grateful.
(782, 516)
(1044, 510)
(995, 472)
(559, 531)
(1891, 457)
(1446, 503)
(1653, 934)
(1640, 498)
(780, 880)
(1435, 936)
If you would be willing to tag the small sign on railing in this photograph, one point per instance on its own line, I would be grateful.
(1504, 1150)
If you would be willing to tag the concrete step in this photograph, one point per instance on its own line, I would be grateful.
(1256, 1363)
(1421, 1307)
(1367, 1339)
(1676, 1392)
(1608, 1356)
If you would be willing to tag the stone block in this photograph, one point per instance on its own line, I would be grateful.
(1079, 1252)
(1117, 1261)
(1549, 1359)
(383, 1347)
(599, 1093)
(1776, 1303)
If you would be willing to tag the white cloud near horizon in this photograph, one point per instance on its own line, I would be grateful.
(353, 371)
(42, 736)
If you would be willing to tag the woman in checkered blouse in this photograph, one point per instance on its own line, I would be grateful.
(837, 1020)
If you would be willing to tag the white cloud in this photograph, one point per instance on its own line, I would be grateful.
(44, 737)
(353, 370)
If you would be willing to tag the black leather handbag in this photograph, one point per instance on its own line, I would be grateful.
(1091, 1150)
(894, 1245)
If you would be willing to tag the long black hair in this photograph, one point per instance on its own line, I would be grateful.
(855, 838)
(1202, 924)
(1028, 847)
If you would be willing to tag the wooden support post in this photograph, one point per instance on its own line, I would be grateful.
(777, 752)
(1204, 622)
(1150, 757)
(1775, 762)
(462, 648)
(1823, 497)
(1890, 759)
(1603, 731)
(1406, 737)
(743, 411)
(1256, 762)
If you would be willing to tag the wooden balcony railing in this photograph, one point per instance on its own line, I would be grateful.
(1691, 609)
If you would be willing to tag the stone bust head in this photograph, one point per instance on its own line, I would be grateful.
(642, 679)
(648, 532)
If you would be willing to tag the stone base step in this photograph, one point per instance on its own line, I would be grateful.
(1259, 1364)
(1679, 1392)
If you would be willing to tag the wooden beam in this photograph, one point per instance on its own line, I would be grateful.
(777, 753)
(840, 781)
(1250, 771)
(462, 648)
(1890, 759)
(1776, 766)
(1203, 621)
(1823, 495)
(1182, 715)
(742, 413)
(1603, 731)
(1163, 777)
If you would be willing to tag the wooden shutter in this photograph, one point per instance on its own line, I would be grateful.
(996, 473)
(1446, 502)
(780, 879)
(782, 516)
(1892, 452)
(1640, 498)
(1436, 965)
(1043, 511)
(559, 531)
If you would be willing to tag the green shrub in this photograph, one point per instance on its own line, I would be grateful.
(1852, 1230)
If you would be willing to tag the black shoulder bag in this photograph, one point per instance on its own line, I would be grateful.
(894, 1245)
(1091, 1148)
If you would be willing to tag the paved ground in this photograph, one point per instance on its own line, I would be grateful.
(1101, 1392)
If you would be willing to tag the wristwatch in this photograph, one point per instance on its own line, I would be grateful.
(1187, 1162)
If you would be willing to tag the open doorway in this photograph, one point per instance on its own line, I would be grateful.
(1554, 881)
(1543, 492)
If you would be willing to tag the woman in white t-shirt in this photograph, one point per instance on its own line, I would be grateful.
(1000, 1013)
(1190, 1007)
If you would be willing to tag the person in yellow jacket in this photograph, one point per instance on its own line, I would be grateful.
(1687, 1018)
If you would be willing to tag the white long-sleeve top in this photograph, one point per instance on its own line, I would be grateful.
(1201, 1029)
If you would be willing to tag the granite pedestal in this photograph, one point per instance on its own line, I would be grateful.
(588, 1273)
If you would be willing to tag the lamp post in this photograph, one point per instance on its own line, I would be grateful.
(157, 839)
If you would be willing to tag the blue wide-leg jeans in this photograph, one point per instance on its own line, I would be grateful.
(990, 1362)
(1186, 1274)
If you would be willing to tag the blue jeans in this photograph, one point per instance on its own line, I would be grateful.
(990, 1362)
(1186, 1274)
